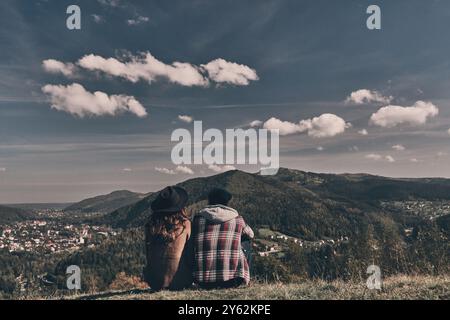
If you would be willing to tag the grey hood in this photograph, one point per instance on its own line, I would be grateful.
(218, 213)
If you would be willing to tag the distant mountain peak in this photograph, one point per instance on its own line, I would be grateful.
(108, 202)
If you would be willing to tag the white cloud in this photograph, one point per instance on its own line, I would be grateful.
(326, 125)
(183, 169)
(399, 147)
(378, 157)
(256, 123)
(285, 127)
(165, 170)
(178, 169)
(146, 67)
(137, 21)
(55, 66)
(185, 118)
(390, 158)
(320, 148)
(363, 132)
(414, 160)
(75, 100)
(222, 71)
(127, 169)
(353, 149)
(366, 96)
(2, 169)
(374, 156)
(217, 168)
(417, 114)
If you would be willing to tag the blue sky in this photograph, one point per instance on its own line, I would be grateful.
(298, 60)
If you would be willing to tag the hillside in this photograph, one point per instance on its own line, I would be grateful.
(303, 204)
(261, 200)
(11, 215)
(368, 188)
(107, 203)
(398, 287)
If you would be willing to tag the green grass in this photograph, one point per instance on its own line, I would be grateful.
(398, 287)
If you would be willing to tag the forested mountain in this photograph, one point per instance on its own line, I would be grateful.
(304, 204)
(11, 215)
(107, 203)
(368, 188)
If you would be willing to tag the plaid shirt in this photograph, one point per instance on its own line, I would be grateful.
(218, 252)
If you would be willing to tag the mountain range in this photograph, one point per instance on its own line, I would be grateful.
(107, 203)
(304, 204)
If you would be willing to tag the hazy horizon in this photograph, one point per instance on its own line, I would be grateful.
(143, 191)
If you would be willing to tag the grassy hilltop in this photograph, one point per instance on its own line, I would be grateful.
(398, 287)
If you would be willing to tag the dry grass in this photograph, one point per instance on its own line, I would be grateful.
(398, 287)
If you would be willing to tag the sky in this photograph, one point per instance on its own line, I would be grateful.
(89, 111)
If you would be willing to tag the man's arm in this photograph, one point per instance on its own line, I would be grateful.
(248, 233)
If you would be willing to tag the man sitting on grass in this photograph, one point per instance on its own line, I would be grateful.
(217, 231)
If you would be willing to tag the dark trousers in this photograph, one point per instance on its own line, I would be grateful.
(247, 249)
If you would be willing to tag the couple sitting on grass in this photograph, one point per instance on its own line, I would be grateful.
(206, 249)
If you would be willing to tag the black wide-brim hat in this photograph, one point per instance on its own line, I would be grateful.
(170, 200)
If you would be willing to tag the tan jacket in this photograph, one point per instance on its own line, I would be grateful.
(169, 265)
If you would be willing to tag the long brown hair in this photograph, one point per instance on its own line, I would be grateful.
(165, 228)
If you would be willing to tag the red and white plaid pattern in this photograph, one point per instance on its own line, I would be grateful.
(218, 252)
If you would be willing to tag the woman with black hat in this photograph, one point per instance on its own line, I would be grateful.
(168, 245)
